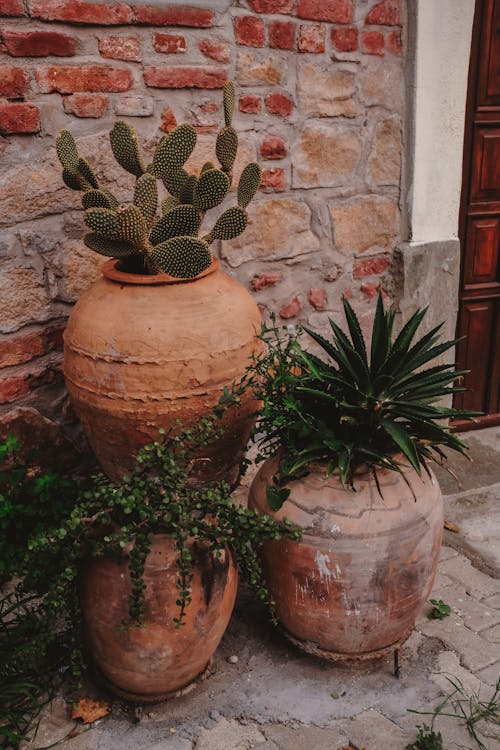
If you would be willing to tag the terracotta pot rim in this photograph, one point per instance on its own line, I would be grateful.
(111, 271)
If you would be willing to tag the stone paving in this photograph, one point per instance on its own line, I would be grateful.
(276, 698)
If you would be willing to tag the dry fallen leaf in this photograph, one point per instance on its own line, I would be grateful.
(451, 526)
(89, 711)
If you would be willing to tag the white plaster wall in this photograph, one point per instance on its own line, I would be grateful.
(444, 29)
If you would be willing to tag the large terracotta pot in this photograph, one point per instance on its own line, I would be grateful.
(352, 587)
(156, 660)
(143, 351)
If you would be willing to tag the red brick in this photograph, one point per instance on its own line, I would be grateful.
(369, 289)
(250, 104)
(335, 11)
(249, 31)
(393, 42)
(317, 298)
(272, 6)
(13, 82)
(278, 104)
(170, 77)
(86, 105)
(38, 43)
(79, 11)
(67, 79)
(273, 180)
(312, 38)
(273, 147)
(372, 42)
(291, 308)
(215, 50)
(345, 39)
(386, 13)
(18, 349)
(266, 279)
(19, 117)
(370, 266)
(169, 43)
(120, 47)
(172, 15)
(282, 34)
(168, 121)
(12, 8)
(13, 388)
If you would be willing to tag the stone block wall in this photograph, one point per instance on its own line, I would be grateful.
(320, 104)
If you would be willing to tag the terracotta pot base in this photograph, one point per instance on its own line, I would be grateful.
(170, 695)
(309, 647)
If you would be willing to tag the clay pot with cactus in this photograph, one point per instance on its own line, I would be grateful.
(165, 331)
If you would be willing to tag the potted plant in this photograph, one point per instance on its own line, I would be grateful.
(165, 330)
(347, 443)
(144, 572)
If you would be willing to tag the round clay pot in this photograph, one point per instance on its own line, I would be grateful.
(156, 660)
(353, 586)
(142, 351)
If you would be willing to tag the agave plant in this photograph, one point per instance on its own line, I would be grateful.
(356, 408)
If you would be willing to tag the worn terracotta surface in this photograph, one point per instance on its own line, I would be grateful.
(366, 562)
(150, 662)
(141, 352)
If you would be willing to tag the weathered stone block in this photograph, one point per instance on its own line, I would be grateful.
(258, 69)
(24, 298)
(384, 162)
(81, 267)
(326, 156)
(280, 229)
(326, 93)
(365, 224)
(381, 83)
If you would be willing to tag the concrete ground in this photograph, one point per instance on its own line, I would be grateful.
(266, 695)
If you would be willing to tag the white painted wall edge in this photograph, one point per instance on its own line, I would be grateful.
(444, 31)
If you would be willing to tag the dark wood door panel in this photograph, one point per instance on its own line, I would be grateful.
(483, 250)
(485, 184)
(488, 90)
(494, 394)
(476, 324)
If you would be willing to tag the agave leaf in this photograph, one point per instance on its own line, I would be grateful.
(381, 340)
(427, 355)
(343, 467)
(326, 345)
(351, 358)
(403, 441)
(355, 331)
(408, 331)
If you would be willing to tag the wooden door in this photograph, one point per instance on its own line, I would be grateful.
(479, 311)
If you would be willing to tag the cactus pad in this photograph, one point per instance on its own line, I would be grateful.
(71, 179)
(228, 102)
(169, 203)
(146, 196)
(181, 220)
(229, 224)
(206, 166)
(173, 150)
(87, 174)
(104, 221)
(132, 226)
(249, 184)
(175, 181)
(211, 189)
(226, 146)
(96, 199)
(126, 149)
(110, 248)
(182, 257)
(67, 151)
(187, 192)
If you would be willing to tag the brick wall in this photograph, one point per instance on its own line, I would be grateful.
(320, 97)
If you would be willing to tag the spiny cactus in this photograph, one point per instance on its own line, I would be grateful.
(168, 243)
(182, 257)
(126, 149)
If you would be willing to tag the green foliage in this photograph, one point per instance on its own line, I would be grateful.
(352, 408)
(440, 610)
(126, 148)
(469, 708)
(121, 231)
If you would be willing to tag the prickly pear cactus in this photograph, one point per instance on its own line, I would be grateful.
(169, 242)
